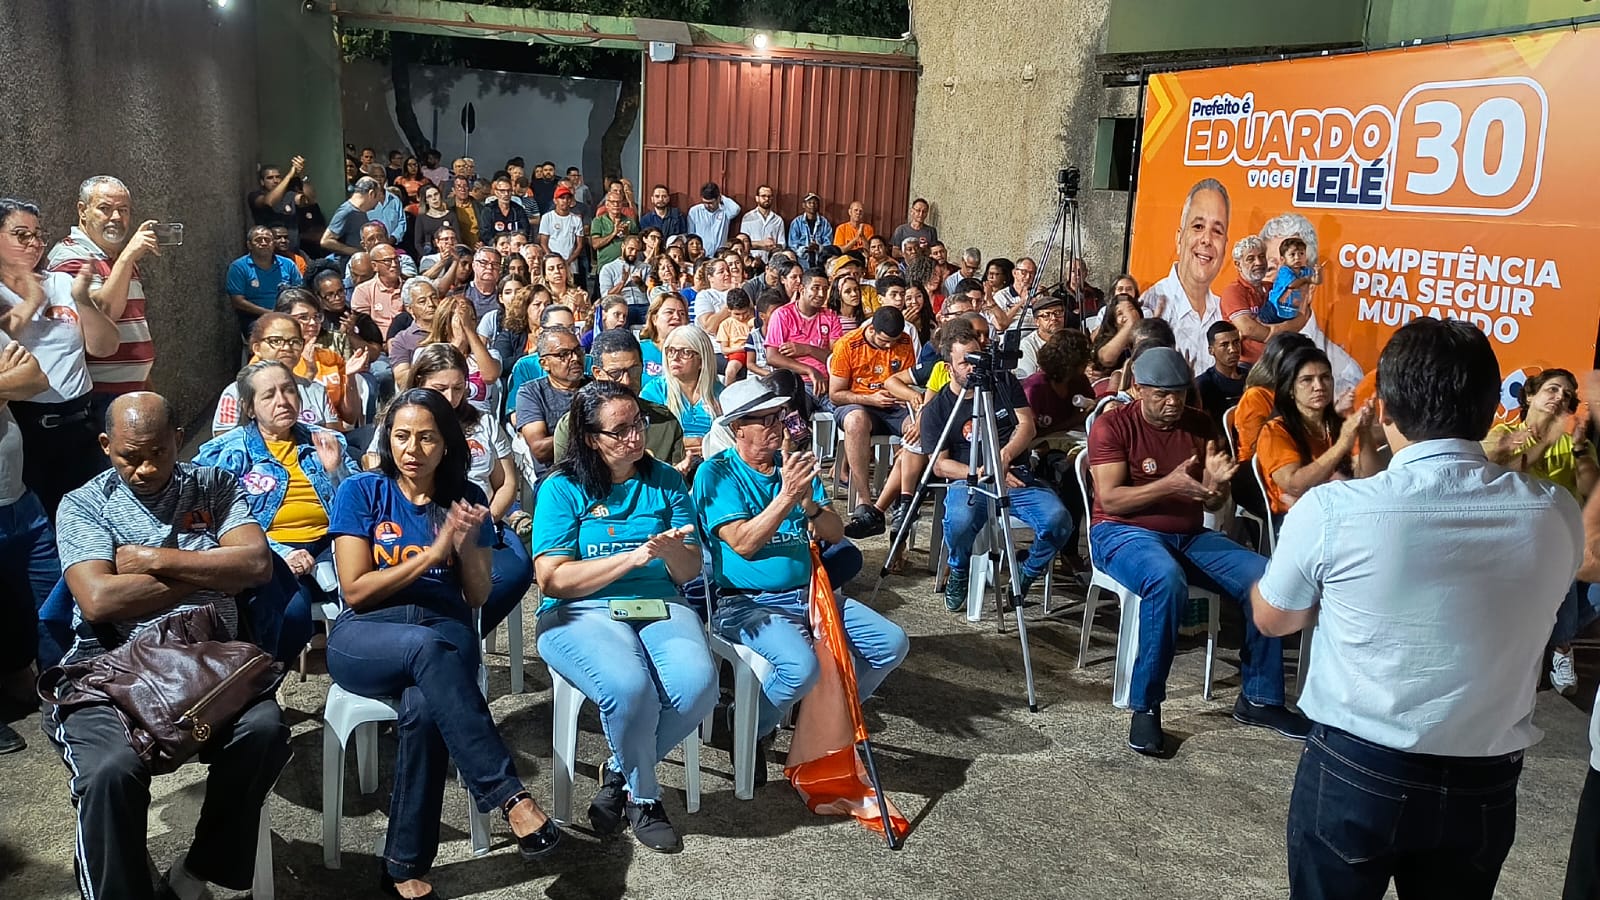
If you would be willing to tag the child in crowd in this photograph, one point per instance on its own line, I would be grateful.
(1284, 302)
(755, 359)
(734, 331)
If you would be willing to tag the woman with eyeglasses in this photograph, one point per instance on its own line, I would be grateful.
(614, 530)
(667, 311)
(275, 336)
(321, 364)
(289, 471)
(412, 182)
(689, 388)
(412, 545)
(52, 317)
(338, 319)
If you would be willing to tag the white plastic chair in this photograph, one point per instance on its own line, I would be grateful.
(345, 716)
(1128, 627)
(513, 626)
(568, 702)
(980, 574)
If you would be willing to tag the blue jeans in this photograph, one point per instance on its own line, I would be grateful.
(1577, 612)
(1362, 814)
(1157, 566)
(298, 626)
(778, 627)
(29, 570)
(430, 662)
(1037, 506)
(509, 579)
(653, 681)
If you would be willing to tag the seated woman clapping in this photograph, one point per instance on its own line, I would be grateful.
(1307, 443)
(613, 539)
(289, 471)
(412, 545)
(442, 368)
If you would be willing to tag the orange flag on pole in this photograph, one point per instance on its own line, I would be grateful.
(824, 765)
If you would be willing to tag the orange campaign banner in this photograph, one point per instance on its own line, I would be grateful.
(1451, 181)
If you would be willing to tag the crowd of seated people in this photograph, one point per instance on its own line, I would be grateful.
(455, 390)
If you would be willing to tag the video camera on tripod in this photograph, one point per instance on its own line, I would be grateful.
(1000, 358)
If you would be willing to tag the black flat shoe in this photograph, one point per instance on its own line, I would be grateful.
(542, 841)
(386, 886)
(606, 811)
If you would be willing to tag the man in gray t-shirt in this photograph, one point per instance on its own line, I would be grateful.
(148, 538)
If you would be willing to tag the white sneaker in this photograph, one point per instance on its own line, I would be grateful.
(1563, 674)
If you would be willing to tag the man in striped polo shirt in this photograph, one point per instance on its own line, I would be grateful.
(106, 241)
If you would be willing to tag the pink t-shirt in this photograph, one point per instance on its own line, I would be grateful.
(821, 330)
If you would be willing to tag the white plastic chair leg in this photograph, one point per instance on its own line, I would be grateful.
(1127, 650)
(746, 696)
(332, 795)
(514, 647)
(564, 746)
(691, 771)
(261, 885)
(1213, 626)
(366, 740)
(1091, 599)
(477, 824)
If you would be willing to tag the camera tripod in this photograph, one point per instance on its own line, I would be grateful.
(1065, 230)
(986, 484)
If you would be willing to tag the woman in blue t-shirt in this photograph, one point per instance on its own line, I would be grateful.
(689, 387)
(412, 543)
(614, 524)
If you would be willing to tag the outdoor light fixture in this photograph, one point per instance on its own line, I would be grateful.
(761, 41)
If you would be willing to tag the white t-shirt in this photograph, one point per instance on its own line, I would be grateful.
(55, 337)
(314, 408)
(489, 444)
(763, 225)
(564, 232)
(1594, 738)
(709, 302)
(11, 487)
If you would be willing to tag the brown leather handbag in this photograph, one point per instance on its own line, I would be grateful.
(174, 684)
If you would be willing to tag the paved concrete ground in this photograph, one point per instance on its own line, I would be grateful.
(1005, 803)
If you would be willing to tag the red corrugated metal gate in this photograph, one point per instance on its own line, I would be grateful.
(840, 128)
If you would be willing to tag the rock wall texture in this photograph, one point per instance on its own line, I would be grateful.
(162, 95)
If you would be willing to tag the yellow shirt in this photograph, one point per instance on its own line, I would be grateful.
(301, 519)
(1559, 464)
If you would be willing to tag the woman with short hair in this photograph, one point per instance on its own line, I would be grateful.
(277, 337)
(667, 311)
(614, 526)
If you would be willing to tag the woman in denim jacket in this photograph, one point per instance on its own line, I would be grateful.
(289, 471)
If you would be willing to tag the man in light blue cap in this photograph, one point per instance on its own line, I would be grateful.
(1157, 467)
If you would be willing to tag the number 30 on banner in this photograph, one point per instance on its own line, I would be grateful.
(1469, 147)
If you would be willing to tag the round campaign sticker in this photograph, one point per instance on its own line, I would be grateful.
(309, 416)
(64, 314)
(1149, 466)
(386, 533)
(477, 449)
(257, 482)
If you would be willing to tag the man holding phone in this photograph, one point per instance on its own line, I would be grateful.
(106, 241)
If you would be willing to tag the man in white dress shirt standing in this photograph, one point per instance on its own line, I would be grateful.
(1428, 638)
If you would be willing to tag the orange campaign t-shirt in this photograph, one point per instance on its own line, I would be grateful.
(328, 371)
(1274, 450)
(1253, 411)
(867, 367)
(1243, 297)
(846, 235)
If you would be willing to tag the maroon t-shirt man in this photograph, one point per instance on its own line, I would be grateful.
(1124, 435)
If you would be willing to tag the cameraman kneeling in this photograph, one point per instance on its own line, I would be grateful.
(1031, 501)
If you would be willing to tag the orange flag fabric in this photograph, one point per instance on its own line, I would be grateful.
(823, 763)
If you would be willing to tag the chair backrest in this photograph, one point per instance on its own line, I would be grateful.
(1080, 466)
(1227, 429)
(1266, 525)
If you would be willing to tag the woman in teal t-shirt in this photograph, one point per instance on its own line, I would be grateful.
(612, 523)
(689, 387)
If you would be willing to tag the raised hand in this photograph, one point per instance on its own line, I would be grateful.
(798, 472)
(1180, 483)
(462, 523)
(1220, 466)
(328, 452)
(142, 241)
(356, 363)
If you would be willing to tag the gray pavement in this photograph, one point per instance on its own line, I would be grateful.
(1005, 803)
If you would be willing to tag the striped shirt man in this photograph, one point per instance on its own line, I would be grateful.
(128, 369)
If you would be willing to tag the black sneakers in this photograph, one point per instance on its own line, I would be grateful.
(606, 809)
(10, 740)
(1278, 718)
(1145, 735)
(865, 521)
(955, 591)
(900, 512)
(650, 826)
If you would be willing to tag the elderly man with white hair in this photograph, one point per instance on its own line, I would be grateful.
(1242, 299)
(1346, 371)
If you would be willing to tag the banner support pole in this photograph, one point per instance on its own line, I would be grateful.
(889, 836)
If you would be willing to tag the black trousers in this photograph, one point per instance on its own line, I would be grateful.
(60, 448)
(111, 789)
(1583, 864)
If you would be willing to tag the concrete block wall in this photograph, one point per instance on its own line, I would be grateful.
(162, 94)
(1008, 95)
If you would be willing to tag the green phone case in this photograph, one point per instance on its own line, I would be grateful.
(647, 610)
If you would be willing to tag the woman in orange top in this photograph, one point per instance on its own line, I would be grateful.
(1255, 405)
(322, 364)
(1307, 443)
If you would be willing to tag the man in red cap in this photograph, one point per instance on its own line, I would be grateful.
(560, 232)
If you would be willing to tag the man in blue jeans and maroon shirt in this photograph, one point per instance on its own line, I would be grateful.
(1157, 466)
(1429, 636)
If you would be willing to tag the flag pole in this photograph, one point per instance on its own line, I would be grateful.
(889, 836)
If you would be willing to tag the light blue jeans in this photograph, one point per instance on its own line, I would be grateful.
(653, 681)
(778, 627)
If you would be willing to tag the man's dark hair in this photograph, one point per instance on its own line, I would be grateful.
(1064, 356)
(769, 300)
(549, 312)
(1439, 378)
(890, 281)
(516, 161)
(889, 322)
(617, 340)
(967, 285)
(655, 187)
(571, 169)
(450, 479)
(1220, 328)
(816, 273)
(582, 463)
(1152, 332)
(956, 331)
(710, 191)
(1291, 243)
